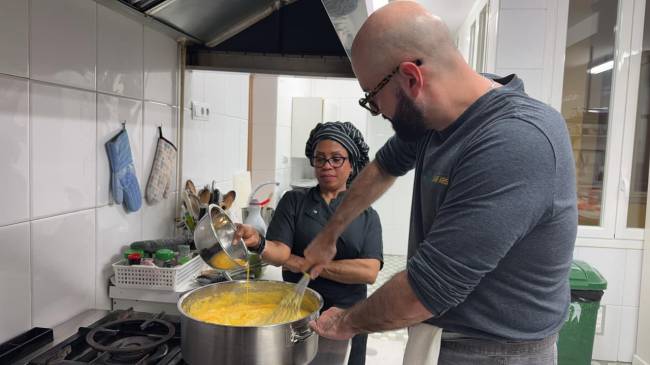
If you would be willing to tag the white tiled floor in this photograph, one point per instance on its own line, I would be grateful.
(388, 347)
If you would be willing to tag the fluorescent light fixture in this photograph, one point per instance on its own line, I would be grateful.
(606, 66)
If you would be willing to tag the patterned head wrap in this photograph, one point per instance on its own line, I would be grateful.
(348, 136)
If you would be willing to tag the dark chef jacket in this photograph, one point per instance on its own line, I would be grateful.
(300, 215)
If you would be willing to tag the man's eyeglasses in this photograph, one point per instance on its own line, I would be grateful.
(335, 162)
(367, 103)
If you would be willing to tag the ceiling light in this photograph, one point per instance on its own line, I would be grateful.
(606, 66)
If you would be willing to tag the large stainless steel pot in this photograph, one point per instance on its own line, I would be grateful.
(286, 343)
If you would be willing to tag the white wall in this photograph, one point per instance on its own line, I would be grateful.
(216, 149)
(70, 70)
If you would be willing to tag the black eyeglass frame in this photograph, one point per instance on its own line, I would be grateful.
(328, 160)
(367, 103)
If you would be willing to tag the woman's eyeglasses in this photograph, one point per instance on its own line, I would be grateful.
(367, 103)
(335, 162)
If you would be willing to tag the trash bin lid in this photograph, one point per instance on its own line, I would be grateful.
(586, 277)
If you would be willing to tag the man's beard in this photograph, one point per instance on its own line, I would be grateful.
(408, 120)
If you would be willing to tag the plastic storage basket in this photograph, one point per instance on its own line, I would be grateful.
(152, 277)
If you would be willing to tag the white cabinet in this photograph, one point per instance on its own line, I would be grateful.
(345, 110)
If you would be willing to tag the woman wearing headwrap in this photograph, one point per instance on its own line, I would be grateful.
(337, 152)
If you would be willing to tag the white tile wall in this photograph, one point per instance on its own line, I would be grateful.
(606, 344)
(632, 278)
(52, 155)
(111, 112)
(243, 145)
(63, 148)
(63, 42)
(160, 67)
(228, 144)
(611, 264)
(236, 95)
(14, 150)
(63, 267)
(394, 208)
(193, 141)
(14, 37)
(216, 87)
(627, 340)
(216, 149)
(158, 220)
(155, 115)
(116, 229)
(622, 270)
(15, 280)
(119, 54)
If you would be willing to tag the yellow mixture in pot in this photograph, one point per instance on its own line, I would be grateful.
(242, 307)
(229, 309)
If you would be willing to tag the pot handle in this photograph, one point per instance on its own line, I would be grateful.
(301, 335)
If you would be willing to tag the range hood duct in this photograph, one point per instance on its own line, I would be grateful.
(297, 37)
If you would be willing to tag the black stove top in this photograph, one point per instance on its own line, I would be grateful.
(121, 337)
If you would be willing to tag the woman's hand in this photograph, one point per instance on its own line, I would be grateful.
(294, 264)
(247, 233)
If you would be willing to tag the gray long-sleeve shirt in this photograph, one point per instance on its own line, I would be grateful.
(493, 217)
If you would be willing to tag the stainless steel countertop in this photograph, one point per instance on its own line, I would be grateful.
(330, 352)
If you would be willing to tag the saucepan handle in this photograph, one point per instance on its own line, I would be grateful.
(301, 334)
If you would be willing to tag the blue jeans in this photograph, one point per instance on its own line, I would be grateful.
(479, 352)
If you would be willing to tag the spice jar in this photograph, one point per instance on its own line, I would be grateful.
(134, 258)
(164, 258)
(183, 254)
(131, 250)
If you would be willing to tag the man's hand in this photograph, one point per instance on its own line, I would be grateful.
(247, 233)
(332, 324)
(320, 252)
(294, 264)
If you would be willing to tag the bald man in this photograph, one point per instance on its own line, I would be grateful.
(494, 216)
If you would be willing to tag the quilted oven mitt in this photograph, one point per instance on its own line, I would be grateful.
(124, 183)
(164, 164)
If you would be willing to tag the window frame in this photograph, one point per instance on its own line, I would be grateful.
(613, 231)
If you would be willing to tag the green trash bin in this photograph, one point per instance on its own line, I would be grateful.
(576, 341)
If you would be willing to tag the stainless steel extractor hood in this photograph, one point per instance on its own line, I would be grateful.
(301, 37)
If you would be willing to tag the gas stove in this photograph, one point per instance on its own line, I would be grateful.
(120, 337)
